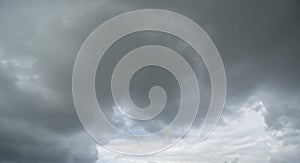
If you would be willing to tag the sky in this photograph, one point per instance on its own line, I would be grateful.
(258, 41)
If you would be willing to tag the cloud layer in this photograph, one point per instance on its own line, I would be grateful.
(258, 41)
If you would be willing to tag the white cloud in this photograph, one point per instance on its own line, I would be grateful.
(244, 139)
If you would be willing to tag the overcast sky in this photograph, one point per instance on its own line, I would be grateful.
(258, 40)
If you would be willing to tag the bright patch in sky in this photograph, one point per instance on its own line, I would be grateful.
(244, 139)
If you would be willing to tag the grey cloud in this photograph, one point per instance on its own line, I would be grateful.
(258, 41)
(38, 119)
(259, 44)
(23, 142)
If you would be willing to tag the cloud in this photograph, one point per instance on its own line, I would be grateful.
(235, 141)
(28, 143)
(38, 47)
(259, 44)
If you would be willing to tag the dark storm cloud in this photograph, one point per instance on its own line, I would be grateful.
(38, 45)
(258, 41)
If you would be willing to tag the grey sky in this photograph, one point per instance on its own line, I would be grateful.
(258, 41)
